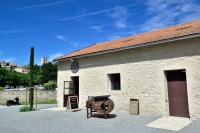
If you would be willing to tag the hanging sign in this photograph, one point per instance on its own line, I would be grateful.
(74, 67)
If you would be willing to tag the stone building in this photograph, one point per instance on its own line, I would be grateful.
(14, 67)
(3, 63)
(161, 68)
(8, 65)
(44, 60)
(21, 69)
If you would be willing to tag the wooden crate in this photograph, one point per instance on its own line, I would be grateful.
(134, 107)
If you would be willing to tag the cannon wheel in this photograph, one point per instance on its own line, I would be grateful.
(106, 116)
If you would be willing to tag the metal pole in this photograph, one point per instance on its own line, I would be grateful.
(36, 98)
(26, 96)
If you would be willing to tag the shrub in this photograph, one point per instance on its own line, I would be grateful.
(26, 109)
(51, 85)
(1, 89)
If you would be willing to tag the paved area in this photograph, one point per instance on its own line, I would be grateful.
(170, 123)
(58, 120)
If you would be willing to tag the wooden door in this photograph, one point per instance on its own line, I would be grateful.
(177, 92)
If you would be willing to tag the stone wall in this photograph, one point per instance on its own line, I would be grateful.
(41, 95)
(142, 72)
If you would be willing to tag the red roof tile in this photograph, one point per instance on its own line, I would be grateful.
(180, 30)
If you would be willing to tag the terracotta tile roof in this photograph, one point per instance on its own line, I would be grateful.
(180, 30)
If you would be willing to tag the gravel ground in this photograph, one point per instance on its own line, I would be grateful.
(47, 121)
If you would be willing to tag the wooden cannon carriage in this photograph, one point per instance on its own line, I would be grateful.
(99, 105)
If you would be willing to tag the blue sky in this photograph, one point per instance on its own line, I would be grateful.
(55, 28)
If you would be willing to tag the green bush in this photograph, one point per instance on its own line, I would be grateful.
(51, 85)
(26, 109)
(1, 89)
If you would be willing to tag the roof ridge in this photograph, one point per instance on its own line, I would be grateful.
(76, 50)
(174, 31)
(152, 31)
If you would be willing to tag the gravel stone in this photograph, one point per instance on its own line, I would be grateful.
(43, 121)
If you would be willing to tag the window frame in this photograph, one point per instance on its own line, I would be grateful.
(114, 82)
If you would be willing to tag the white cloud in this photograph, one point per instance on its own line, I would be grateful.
(53, 56)
(9, 59)
(191, 17)
(61, 37)
(73, 43)
(87, 14)
(132, 32)
(49, 4)
(94, 13)
(97, 28)
(170, 12)
(120, 15)
(120, 24)
(14, 31)
(1, 52)
(114, 37)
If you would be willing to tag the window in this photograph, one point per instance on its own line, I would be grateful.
(115, 81)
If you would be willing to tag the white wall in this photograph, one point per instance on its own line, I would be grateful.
(142, 76)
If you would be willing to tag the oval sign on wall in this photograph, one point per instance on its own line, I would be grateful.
(74, 67)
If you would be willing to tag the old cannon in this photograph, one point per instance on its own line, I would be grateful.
(12, 102)
(99, 105)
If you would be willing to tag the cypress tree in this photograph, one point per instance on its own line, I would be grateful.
(31, 90)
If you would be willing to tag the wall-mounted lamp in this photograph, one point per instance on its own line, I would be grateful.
(73, 59)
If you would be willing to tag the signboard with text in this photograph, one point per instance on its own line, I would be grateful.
(73, 102)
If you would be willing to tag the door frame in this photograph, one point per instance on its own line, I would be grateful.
(76, 91)
(166, 99)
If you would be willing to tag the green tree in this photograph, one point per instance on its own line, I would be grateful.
(11, 68)
(9, 78)
(31, 90)
(37, 75)
(3, 73)
(12, 78)
(49, 72)
(22, 79)
(51, 85)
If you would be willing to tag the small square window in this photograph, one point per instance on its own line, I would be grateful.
(115, 81)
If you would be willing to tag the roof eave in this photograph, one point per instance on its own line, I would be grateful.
(131, 47)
